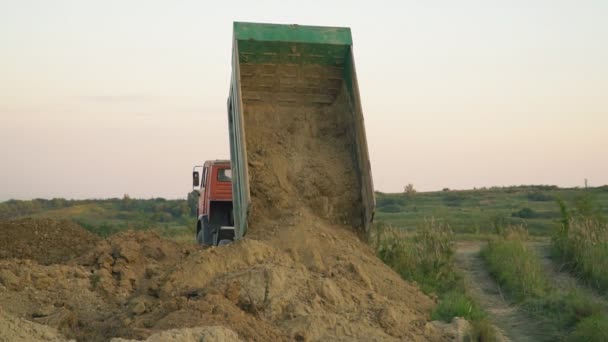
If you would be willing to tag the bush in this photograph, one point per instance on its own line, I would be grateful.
(539, 196)
(454, 198)
(525, 213)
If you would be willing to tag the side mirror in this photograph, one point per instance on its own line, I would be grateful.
(195, 178)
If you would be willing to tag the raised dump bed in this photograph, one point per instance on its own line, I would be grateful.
(297, 137)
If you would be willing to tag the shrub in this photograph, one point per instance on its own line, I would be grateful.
(525, 213)
(454, 198)
(539, 196)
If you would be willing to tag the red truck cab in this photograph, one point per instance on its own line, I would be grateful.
(215, 223)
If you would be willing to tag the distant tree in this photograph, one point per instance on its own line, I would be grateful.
(409, 190)
(445, 189)
(126, 203)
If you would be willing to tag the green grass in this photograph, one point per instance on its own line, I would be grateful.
(562, 310)
(581, 244)
(515, 266)
(518, 270)
(591, 329)
(170, 218)
(476, 211)
(427, 258)
(457, 304)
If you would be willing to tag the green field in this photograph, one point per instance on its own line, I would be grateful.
(171, 218)
(478, 211)
(483, 210)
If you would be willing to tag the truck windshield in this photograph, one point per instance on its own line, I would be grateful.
(224, 175)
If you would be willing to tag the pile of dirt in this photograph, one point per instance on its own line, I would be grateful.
(200, 334)
(47, 241)
(13, 329)
(313, 282)
(301, 156)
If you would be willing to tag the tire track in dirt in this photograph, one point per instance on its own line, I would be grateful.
(511, 322)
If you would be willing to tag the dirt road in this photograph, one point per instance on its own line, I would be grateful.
(561, 278)
(511, 322)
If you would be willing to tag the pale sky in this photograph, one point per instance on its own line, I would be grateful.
(102, 98)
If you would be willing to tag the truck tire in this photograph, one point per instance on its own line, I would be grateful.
(204, 235)
(199, 237)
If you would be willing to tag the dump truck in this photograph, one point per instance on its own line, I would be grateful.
(212, 181)
(288, 80)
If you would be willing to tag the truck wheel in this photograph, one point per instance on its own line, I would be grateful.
(200, 238)
(224, 242)
(204, 235)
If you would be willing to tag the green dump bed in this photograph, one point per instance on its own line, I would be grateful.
(283, 70)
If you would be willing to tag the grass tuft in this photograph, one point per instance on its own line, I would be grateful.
(456, 304)
(582, 245)
(425, 257)
(591, 329)
(515, 266)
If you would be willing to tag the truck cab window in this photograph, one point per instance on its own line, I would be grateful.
(224, 175)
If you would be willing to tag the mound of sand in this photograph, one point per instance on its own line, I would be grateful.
(13, 329)
(317, 282)
(47, 241)
(200, 334)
